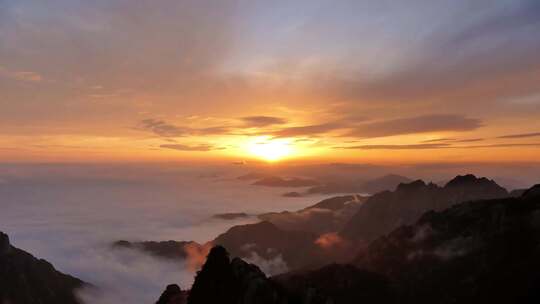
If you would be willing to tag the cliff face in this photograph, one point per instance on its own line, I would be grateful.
(25, 279)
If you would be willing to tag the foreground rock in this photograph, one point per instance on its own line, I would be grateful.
(173, 295)
(25, 279)
(230, 282)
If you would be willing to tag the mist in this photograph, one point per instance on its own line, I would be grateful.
(70, 215)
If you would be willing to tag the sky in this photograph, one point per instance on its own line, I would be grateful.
(357, 81)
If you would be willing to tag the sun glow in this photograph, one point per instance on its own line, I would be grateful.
(269, 149)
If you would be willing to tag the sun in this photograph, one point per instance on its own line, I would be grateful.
(269, 149)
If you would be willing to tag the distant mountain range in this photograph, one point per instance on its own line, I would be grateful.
(484, 251)
(387, 210)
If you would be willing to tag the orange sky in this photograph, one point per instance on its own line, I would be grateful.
(306, 81)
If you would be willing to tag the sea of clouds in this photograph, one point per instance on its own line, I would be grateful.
(70, 214)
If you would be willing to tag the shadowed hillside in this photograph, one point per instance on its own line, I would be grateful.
(25, 279)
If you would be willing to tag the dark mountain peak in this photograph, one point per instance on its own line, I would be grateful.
(224, 281)
(5, 246)
(470, 186)
(534, 191)
(172, 295)
(217, 258)
(462, 179)
(412, 186)
(471, 180)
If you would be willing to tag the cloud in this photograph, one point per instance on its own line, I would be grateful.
(398, 147)
(162, 128)
(165, 129)
(263, 121)
(502, 145)
(419, 124)
(469, 140)
(272, 266)
(201, 148)
(522, 135)
(435, 146)
(311, 130)
(453, 140)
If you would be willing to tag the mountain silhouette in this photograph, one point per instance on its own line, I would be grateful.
(172, 295)
(25, 279)
(226, 281)
(385, 211)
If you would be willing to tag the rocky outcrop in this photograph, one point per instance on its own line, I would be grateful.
(173, 295)
(25, 279)
(232, 282)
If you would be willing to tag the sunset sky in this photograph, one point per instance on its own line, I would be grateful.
(356, 81)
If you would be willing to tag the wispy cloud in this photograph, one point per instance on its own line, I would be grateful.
(262, 121)
(398, 147)
(522, 135)
(418, 124)
(435, 146)
(198, 148)
(166, 129)
(310, 130)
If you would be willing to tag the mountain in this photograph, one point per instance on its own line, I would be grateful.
(386, 182)
(266, 241)
(226, 281)
(385, 211)
(484, 251)
(286, 240)
(476, 252)
(173, 295)
(326, 216)
(25, 279)
(337, 284)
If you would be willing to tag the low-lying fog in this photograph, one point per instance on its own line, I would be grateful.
(70, 214)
